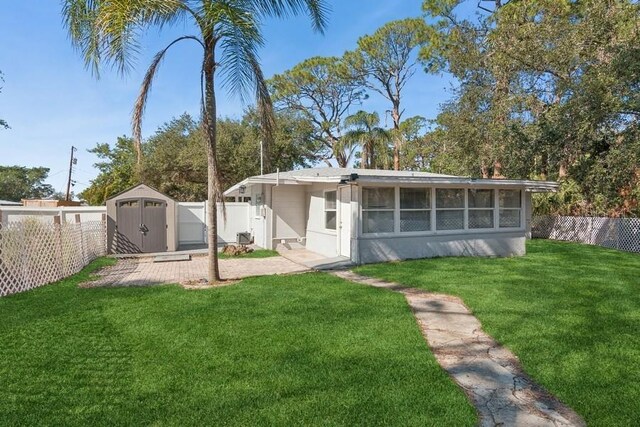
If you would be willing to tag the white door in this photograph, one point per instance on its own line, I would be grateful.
(344, 232)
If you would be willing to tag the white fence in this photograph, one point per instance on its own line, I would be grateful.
(34, 252)
(191, 219)
(617, 233)
(67, 213)
(192, 222)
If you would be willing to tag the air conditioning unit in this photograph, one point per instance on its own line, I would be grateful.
(243, 238)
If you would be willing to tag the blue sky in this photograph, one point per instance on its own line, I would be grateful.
(52, 102)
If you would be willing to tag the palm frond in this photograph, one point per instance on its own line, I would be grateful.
(108, 31)
(317, 10)
(145, 89)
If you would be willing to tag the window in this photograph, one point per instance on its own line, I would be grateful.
(129, 204)
(510, 206)
(330, 210)
(449, 209)
(481, 204)
(246, 199)
(150, 204)
(415, 209)
(378, 206)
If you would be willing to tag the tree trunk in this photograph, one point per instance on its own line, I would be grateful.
(213, 182)
(365, 156)
(497, 170)
(484, 170)
(395, 114)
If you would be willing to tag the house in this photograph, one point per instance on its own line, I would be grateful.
(379, 215)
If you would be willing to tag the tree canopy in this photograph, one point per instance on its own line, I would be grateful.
(322, 90)
(19, 182)
(175, 160)
(547, 89)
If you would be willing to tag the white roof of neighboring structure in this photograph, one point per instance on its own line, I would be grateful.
(379, 176)
(9, 203)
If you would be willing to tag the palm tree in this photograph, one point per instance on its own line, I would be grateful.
(229, 32)
(373, 139)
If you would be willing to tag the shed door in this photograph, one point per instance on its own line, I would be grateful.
(154, 225)
(142, 226)
(129, 218)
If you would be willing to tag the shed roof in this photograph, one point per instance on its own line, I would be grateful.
(140, 187)
(9, 203)
(379, 176)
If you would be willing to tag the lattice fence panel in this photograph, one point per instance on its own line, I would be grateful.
(34, 253)
(617, 233)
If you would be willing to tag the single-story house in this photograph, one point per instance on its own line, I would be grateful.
(380, 215)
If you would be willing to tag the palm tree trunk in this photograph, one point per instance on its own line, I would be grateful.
(209, 122)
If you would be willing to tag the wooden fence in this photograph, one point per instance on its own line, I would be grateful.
(34, 253)
(617, 233)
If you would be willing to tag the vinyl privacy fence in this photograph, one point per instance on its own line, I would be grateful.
(34, 253)
(617, 233)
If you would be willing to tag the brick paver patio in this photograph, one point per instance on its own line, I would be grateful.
(144, 272)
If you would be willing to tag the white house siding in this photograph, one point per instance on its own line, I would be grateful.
(380, 249)
(319, 239)
(289, 212)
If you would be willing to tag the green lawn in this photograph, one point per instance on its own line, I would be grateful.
(303, 349)
(258, 253)
(570, 312)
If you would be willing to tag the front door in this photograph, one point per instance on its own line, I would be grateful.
(141, 226)
(344, 209)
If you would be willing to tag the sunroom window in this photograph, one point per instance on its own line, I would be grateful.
(481, 203)
(449, 209)
(510, 207)
(378, 206)
(330, 210)
(415, 209)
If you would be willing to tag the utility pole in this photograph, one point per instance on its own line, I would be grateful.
(72, 161)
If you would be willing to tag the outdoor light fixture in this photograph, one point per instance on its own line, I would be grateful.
(242, 189)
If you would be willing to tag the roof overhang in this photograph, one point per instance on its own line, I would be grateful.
(528, 185)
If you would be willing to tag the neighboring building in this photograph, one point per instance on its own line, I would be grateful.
(8, 203)
(380, 215)
(48, 203)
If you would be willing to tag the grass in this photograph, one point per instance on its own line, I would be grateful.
(570, 312)
(280, 350)
(258, 253)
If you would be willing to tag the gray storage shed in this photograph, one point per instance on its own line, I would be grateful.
(141, 220)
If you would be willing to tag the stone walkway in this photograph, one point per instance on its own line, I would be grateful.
(144, 272)
(490, 374)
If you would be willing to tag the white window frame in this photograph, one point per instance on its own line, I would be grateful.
(493, 209)
(428, 191)
(335, 210)
(464, 210)
(395, 210)
(500, 208)
(434, 209)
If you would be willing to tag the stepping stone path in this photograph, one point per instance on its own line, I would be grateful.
(490, 375)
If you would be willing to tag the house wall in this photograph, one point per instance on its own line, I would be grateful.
(436, 243)
(381, 249)
(319, 239)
